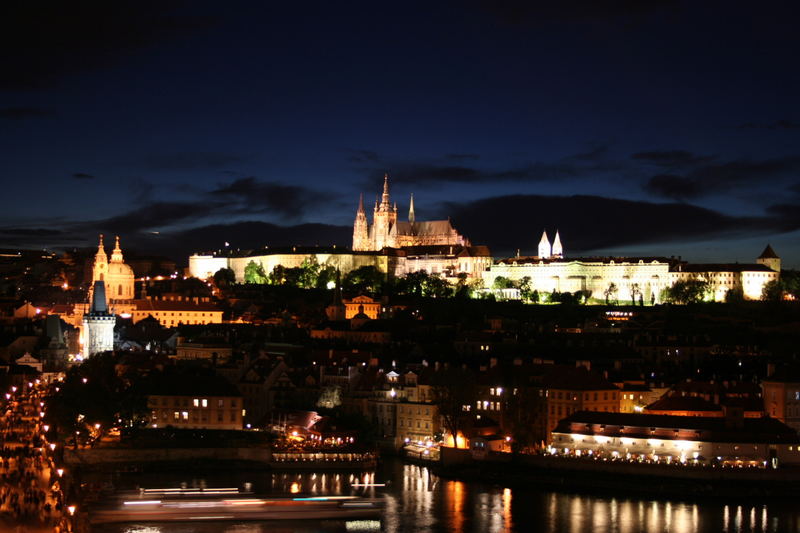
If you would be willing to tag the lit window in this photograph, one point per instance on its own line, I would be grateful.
(205, 402)
(185, 415)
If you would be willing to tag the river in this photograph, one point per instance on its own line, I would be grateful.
(418, 501)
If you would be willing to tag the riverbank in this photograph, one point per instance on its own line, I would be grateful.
(587, 475)
(250, 457)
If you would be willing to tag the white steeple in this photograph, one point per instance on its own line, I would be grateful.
(558, 251)
(544, 246)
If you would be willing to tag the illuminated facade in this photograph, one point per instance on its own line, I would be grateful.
(171, 311)
(677, 439)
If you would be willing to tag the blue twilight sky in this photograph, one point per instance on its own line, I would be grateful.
(659, 127)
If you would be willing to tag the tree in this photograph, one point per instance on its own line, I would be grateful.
(611, 293)
(453, 389)
(254, 273)
(309, 273)
(734, 296)
(525, 288)
(688, 291)
(535, 296)
(365, 279)
(278, 275)
(501, 282)
(327, 275)
(635, 292)
(435, 286)
(225, 277)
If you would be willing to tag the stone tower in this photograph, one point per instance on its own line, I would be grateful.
(384, 220)
(769, 259)
(361, 229)
(98, 324)
(544, 246)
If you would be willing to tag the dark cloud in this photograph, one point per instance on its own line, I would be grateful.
(82, 176)
(188, 161)
(455, 168)
(673, 187)
(151, 216)
(253, 196)
(720, 178)
(590, 222)
(462, 157)
(672, 158)
(777, 125)
(42, 43)
(596, 154)
(246, 235)
(21, 113)
(30, 232)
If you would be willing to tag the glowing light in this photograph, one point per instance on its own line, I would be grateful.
(71, 510)
(60, 472)
(144, 502)
(46, 428)
(52, 447)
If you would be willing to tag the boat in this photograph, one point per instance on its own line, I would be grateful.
(168, 505)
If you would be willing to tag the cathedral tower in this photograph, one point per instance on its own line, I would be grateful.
(384, 220)
(361, 241)
(544, 246)
(98, 323)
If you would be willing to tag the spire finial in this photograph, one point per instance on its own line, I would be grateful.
(411, 215)
(116, 255)
(361, 203)
(385, 198)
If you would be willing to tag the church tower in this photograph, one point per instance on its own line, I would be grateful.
(361, 229)
(100, 267)
(384, 220)
(558, 250)
(98, 324)
(411, 216)
(544, 246)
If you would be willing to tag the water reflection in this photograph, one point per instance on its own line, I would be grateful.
(418, 501)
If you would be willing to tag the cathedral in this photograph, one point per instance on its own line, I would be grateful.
(387, 232)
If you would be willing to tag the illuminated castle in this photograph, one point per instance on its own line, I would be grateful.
(387, 232)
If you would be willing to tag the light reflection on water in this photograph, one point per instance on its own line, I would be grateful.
(417, 501)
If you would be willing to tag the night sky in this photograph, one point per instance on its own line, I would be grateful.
(634, 127)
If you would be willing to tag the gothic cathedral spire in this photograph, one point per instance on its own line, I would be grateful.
(411, 216)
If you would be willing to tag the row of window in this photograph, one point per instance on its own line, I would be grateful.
(586, 396)
(197, 402)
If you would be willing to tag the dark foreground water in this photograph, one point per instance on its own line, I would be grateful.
(417, 501)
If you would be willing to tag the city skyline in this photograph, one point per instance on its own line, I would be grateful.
(658, 129)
